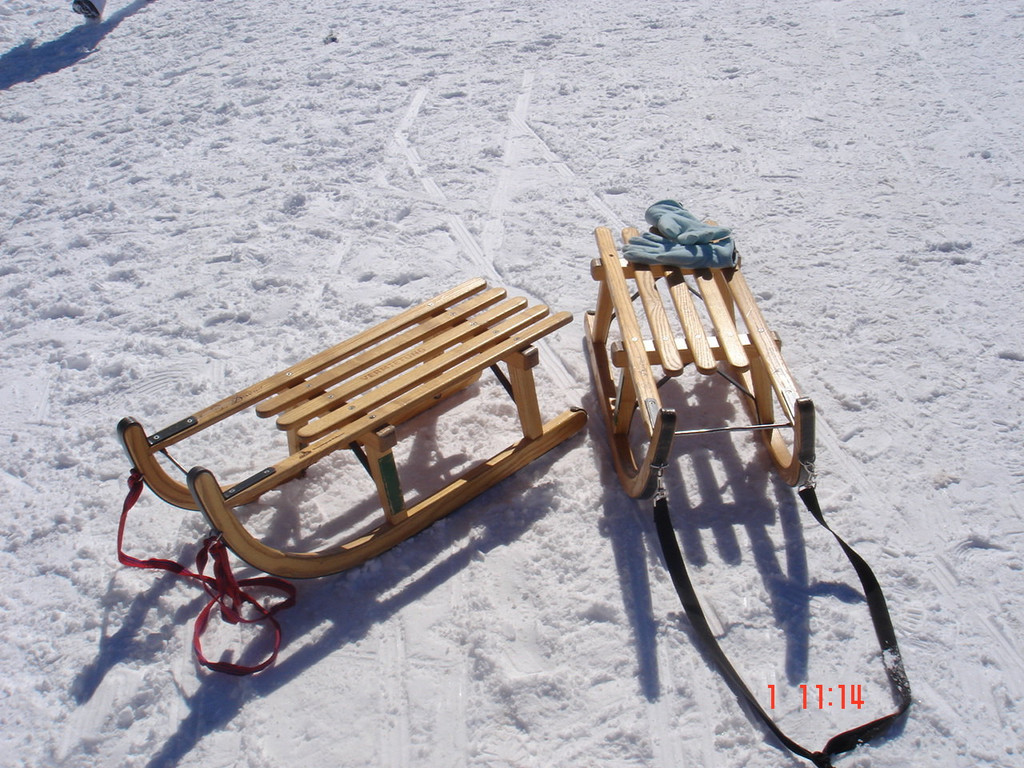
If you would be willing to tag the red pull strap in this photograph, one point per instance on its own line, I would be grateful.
(225, 591)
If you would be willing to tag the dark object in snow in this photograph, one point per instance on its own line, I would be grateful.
(91, 9)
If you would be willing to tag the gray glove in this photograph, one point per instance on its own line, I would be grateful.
(682, 240)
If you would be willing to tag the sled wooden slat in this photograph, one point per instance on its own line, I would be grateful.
(290, 376)
(401, 396)
(397, 359)
(718, 301)
(354, 395)
(657, 317)
(766, 343)
(747, 352)
(373, 353)
(697, 341)
(640, 375)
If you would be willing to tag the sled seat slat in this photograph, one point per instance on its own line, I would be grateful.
(354, 395)
(697, 340)
(339, 387)
(641, 378)
(717, 299)
(374, 351)
(395, 400)
(289, 377)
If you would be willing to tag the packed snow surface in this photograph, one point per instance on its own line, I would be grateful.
(197, 194)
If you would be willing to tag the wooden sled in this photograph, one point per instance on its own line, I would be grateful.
(354, 395)
(713, 339)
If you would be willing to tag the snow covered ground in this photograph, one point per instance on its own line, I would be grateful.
(198, 193)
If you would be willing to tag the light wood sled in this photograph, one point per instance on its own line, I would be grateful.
(354, 395)
(722, 332)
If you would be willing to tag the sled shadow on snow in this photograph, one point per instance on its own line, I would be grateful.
(332, 612)
(125, 641)
(757, 502)
(28, 61)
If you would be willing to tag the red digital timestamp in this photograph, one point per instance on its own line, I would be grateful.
(826, 697)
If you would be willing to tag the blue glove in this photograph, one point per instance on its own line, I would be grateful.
(682, 240)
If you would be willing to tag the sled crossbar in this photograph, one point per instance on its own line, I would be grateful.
(735, 428)
(704, 318)
(354, 395)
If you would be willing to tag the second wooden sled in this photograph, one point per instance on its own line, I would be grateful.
(722, 332)
(354, 395)
(711, 321)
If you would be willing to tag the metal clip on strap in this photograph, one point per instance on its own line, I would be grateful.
(659, 474)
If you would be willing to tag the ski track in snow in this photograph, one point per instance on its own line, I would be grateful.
(195, 197)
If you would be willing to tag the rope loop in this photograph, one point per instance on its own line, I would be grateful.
(226, 592)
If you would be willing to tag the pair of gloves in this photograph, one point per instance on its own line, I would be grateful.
(682, 240)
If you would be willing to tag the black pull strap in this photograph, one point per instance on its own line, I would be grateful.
(891, 658)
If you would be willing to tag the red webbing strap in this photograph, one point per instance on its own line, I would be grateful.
(225, 591)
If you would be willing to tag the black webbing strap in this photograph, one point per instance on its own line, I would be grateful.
(891, 658)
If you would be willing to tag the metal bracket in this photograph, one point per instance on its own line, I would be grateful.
(171, 431)
(659, 490)
(503, 380)
(808, 476)
(248, 482)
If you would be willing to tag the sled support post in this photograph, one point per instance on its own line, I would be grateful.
(711, 321)
(524, 391)
(295, 444)
(358, 394)
(384, 471)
